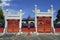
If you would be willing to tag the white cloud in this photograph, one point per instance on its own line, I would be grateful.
(6, 0)
(5, 4)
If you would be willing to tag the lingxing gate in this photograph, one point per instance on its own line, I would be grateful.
(12, 22)
(43, 22)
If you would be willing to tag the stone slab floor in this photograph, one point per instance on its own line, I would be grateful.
(36, 37)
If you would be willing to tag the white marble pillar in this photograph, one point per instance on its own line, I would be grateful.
(52, 11)
(5, 17)
(20, 22)
(35, 11)
(5, 29)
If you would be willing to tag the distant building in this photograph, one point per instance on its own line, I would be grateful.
(28, 22)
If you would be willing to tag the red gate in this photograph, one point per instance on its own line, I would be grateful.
(44, 24)
(12, 25)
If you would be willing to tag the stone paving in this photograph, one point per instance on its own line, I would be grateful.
(38, 37)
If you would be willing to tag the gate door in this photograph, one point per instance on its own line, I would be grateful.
(48, 26)
(13, 26)
(40, 24)
(44, 24)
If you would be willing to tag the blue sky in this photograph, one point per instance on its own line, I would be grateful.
(28, 6)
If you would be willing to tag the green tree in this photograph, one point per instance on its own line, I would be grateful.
(58, 16)
(0, 1)
(1, 14)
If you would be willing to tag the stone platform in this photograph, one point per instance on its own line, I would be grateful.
(36, 37)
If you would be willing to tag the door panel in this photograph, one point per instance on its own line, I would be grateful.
(40, 30)
(13, 26)
(44, 24)
(48, 27)
(40, 24)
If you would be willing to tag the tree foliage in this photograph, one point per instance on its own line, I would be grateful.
(58, 16)
(1, 15)
(0, 1)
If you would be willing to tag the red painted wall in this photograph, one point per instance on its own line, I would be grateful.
(28, 29)
(57, 29)
(1, 29)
